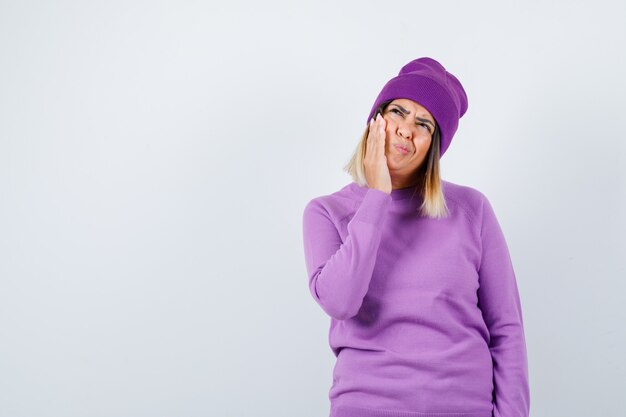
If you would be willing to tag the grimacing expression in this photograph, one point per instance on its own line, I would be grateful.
(408, 135)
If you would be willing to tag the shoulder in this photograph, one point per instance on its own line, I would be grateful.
(466, 197)
(336, 205)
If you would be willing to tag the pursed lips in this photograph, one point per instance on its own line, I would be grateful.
(402, 147)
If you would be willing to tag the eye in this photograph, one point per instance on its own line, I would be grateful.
(425, 126)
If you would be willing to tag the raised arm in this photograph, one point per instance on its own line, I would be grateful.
(340, 272)
(499, 301)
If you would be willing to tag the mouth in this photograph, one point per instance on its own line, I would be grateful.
(402, 149)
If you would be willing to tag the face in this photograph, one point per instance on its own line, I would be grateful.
(410, 126)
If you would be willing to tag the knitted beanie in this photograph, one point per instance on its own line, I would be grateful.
(427, 82)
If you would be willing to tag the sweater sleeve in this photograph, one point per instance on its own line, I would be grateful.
(339, 272)
(499, 301)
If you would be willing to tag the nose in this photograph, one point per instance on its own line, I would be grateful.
(404, 132)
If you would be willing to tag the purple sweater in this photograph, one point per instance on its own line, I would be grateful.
(425, 314)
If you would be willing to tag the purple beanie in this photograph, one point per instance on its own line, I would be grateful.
(427, 82)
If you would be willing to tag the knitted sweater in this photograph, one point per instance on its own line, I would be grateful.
(425, 314)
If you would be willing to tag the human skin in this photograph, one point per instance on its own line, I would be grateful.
(404, 124)
(404, 130)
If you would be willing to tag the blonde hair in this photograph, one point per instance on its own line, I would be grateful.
(427, 175)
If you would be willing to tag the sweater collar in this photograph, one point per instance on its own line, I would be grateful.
(397, 194)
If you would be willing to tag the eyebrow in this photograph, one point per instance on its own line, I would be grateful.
(421, 119)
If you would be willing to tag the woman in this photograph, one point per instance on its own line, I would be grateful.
(414, 271)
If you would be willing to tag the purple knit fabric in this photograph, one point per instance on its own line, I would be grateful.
(425, 314)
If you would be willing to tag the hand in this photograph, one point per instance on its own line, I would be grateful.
(375, 161)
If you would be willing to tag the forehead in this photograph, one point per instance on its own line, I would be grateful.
(413, 107)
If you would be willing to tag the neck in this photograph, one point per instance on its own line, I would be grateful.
(404, 182)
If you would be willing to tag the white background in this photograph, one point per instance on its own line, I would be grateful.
(155, 159)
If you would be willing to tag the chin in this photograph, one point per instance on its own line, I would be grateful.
(395, 165)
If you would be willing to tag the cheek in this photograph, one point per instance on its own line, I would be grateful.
(421, 144)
